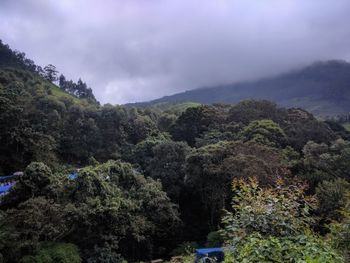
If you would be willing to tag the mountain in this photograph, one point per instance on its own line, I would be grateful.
(322, 88)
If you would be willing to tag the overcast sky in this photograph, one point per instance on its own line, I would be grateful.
(136, 50)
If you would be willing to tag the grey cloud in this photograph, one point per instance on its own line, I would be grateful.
(139, 50)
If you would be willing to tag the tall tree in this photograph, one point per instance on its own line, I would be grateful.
(50, 73)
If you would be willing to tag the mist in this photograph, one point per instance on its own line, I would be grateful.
(138, 50)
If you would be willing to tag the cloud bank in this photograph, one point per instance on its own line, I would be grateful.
(138, 50)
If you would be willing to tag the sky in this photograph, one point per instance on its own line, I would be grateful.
(138, 50)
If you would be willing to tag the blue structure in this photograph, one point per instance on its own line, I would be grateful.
(213, 252)
(7, 177)
(8, 181)
(5, 188)
(72, 176)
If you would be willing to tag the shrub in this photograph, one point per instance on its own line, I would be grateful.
(57, 253)
(332, 197)
(280, 211)
(186, 248)
(214, 239)
(340, 233)
(273, 225)
(298, 249)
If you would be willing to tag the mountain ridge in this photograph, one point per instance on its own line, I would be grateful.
(322, 88)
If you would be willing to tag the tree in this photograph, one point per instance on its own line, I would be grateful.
(250, 110)
(301, 126)
(50, 73)
(168, 165)
(210, 170)
(340, 232)
(273, 225)
(322, 162)
(117, 207)
(62, 82)
(280, 211)
(55, 253)
(39, 219)
(266, 132)
(35, 182)
(165, 121)
(142, 153)
(194, 121)
(105, 254)
(108, 209)
(332, 196)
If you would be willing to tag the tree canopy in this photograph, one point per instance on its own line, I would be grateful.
(106, 183)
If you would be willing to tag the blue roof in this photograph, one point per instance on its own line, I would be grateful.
(5, 188)
(204, 251)
(7, 177)
(72, 176)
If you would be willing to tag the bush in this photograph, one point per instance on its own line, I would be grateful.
(332, 197)
(58, 253)
(185, 249)
(105, 255)
(340, 233)
(273, 225)
(280, 211)
(298, 249)
(214, 239)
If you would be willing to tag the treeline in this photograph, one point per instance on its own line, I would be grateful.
(341, 118)
(15, 59)
(271, 182)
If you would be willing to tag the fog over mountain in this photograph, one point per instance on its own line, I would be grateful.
(139, 50)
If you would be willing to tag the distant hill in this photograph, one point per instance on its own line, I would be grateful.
(29, 82)
(16, 67)
(322, 88)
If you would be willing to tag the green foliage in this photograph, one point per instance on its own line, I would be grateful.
(37, 180)
(141, 163)
(339, 129)
(214, 239)
(291, 157)
(185, 249)
(36, 177)
(332, 196)
(16, 59)
(47, 220)
(302, 127)
(143, 151)
(168, 165)
(105, 255)
(347, 126)
(108, 209)
(166, 121)
(185, 259)
(281, 211)
(56, 253)
(215, 136)
(298, 249)
(266, 132)
(322, 162)
(121, 204)
(250, 110)
(211, 169)
(194, 121)
(340, 232)
(273, 225)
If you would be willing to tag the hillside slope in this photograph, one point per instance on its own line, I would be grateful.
(322, 88)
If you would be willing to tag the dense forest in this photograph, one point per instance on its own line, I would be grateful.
(269, 184)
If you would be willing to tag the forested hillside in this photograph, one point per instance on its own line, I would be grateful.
(322, 88)
(271, 184)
